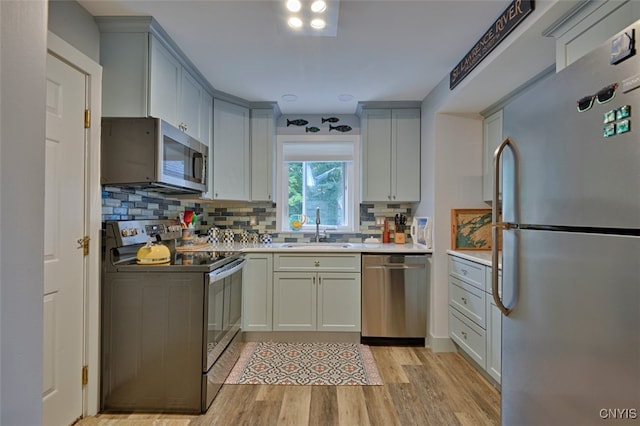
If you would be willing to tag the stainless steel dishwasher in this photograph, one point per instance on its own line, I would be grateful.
(394, 296)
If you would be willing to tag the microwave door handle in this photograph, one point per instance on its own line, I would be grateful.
(197, 158)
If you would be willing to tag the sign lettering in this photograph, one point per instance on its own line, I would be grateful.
(506, 22)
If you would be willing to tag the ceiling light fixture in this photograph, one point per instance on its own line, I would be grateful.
(345, 97)
(289, 98)
(294, 5)
(318, 6)
(318, 24)
(295, 22)
(310, 17)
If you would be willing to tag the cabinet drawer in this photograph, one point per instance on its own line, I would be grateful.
(315, 262)
(469, 300)
(470, 337)
(469, 272)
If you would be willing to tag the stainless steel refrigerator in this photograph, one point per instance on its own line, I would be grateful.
(570, 173)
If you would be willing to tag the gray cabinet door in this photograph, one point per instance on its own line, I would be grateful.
(405, 154)
(231, 173)
(165, 75)
(376, 153)
(263, 134)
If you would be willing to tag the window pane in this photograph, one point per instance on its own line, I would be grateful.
(314, 184)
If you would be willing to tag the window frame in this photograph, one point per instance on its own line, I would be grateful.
(282, 184)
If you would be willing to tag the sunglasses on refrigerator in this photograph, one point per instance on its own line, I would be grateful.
(602, 97)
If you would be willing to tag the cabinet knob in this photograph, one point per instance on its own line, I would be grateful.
(317, 263)
(464, 334)
(394, 197)
(464, 300)
(464, 271)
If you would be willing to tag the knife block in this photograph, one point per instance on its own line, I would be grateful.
(399, 238)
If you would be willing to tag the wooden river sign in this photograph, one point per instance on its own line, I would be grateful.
(506, 22)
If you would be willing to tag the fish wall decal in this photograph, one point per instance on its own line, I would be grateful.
(330, 120)
(342, 128)
(312, 129)
(298, 122)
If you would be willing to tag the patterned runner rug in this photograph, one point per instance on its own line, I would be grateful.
(275, 363)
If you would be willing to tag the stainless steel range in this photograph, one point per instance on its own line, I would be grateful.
(170, 332)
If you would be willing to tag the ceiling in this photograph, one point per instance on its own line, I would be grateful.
(385, 50)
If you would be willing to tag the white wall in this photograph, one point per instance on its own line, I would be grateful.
(22, 131)
(74, 24)
(451, 178)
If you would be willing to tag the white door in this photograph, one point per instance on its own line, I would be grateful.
(63, 261)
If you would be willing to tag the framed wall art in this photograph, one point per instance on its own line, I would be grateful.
(471, 229)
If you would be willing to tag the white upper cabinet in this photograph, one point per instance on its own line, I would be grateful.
(164, 81)
(390, 154)
(492, 129)
(263, 144)
(145, 74)
(231, 154)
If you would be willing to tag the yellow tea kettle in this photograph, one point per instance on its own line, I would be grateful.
(153, 254)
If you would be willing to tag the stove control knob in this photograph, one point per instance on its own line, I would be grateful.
(125, 232)
(134, 231)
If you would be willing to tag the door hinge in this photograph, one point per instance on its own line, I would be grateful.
(87, 118)
(85, 375)
(83, 243)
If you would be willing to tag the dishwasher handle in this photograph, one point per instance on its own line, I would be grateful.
(396, 266)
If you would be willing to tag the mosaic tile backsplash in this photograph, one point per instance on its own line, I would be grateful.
(129, 204)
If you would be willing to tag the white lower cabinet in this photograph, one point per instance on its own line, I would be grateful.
(316, 292)
(475, 322)
(257, 292)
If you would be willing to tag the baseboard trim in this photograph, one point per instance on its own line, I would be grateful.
(441, 344)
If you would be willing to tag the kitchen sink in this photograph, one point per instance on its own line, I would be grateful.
(317, 246)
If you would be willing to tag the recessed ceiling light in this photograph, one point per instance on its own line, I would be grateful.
(318, 23)
(294, 5)
(295, 22)
(345, 97)
(289, 98)
(318, 6)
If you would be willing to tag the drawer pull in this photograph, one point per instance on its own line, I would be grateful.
(464, 334)
(317, 263)
(464, 300)
(464, 272)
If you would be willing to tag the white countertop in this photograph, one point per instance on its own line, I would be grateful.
(319, 247)
(478, 256)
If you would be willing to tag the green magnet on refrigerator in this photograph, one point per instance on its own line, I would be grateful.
(609, 130)
(609, 116)
(623, 127)
(623, 112)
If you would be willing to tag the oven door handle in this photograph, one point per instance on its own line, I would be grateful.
(227, 270)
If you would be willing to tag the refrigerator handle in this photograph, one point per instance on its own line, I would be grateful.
(497, 225)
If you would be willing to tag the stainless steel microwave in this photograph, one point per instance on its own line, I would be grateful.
(149, 153)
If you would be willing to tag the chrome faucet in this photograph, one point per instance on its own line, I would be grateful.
(317, 224)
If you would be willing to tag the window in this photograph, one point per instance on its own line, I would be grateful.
(318, 172)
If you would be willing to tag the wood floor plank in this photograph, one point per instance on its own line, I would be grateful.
(380, 406)
(405, 356)
(324, 406)
(295, 406)
(390, 371)
(352, 407)
(408, 404)
(270, 393)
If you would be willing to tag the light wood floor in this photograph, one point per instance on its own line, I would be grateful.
(420, 388)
